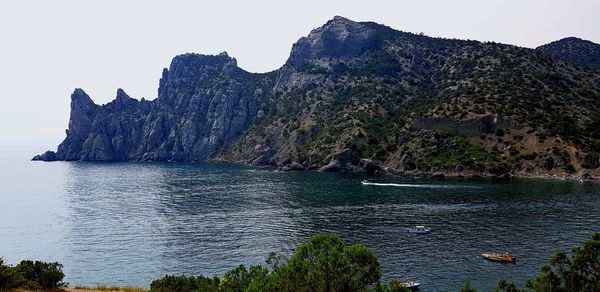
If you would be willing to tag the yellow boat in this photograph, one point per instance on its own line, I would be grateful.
(497, 257)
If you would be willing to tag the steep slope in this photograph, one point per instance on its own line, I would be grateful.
(359, 96)
(203, 103)
(412, 103)
(574, 50)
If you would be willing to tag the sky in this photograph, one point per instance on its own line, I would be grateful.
(48, 48)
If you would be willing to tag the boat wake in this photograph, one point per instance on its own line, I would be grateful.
(366, 183)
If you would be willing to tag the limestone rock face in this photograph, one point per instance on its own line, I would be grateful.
(102, 133)
(203, 104)
(339, 161)
(338, 38)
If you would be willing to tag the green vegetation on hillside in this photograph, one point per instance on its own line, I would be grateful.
(574, 50)
(363, 103)
(463, 153)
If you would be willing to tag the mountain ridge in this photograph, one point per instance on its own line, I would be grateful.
(358, 96)
(574, 50)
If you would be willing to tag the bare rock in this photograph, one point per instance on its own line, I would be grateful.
(438, 175)
(333, 166)
(294, 166)
(46, 156)
(369, 166)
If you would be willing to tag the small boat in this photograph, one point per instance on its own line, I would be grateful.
(419, 229)
(497, 257)
(408, 284)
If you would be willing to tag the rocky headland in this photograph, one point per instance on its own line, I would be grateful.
(361, 97)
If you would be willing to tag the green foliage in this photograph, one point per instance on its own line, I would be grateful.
(462, 153)
(506, 286)
(392, 286)
(31, 275)
(7, 276)
(182, 283)
(579, 271)
(241, 278)
(468, 287)
(275, 260)
(323, 263)
(527, 156)
(593, 127)
(577, 51)
(111, 288)
(38, 274)
(565, 126)
(380, 63)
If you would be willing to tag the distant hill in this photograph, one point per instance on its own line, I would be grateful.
(577, 51)
(359, 96)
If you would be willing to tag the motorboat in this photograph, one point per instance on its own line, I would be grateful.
(408, 284)
(419, 229)
(500, 257)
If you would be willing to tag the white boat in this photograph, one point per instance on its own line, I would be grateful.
(408, 284)
(419, 229)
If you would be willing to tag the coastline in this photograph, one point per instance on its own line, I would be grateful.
(440, 175)
(489, 176)
(437, 175)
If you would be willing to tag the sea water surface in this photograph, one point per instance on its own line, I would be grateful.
(130, 223)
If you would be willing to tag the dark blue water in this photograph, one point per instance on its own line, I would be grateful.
(130, 223)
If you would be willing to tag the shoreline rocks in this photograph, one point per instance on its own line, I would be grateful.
(46, 156)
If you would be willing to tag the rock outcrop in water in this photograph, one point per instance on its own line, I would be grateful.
(358, 96)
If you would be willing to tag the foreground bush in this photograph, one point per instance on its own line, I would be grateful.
(40, 274)
(577, 271)
(7, 277)
(323, 263)
(31, 275)
(185, 284)
(110, 288)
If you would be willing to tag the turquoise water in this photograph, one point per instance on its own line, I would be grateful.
(130, 223)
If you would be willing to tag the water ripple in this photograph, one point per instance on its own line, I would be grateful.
(119, 223)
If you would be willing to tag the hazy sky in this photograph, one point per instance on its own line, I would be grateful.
(48, 48)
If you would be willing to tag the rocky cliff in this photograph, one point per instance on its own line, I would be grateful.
(358, 96)
(204, 102)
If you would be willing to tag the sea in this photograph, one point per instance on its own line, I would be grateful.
(130, 223)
